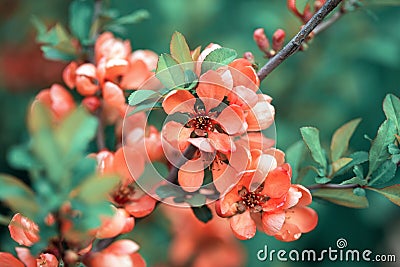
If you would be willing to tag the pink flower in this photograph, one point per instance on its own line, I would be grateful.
(23, 230)
(121, 253)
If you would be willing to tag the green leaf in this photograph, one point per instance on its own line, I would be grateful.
(140, 96)
(390, 192)
(80, 18)
(343, 197)
(165, 191)
(294, 155)
(358, 157)
(311, 139)
(203, 213)
(340, 163)
(379, 148)
(322, 180)
(169, 72)
(145, 107)
(391, 107)
(19, 157)
(75, 132)
(52, 53)
(218, 57)
(132, 18)
(17, 195)
(179, 48)
(341, 138)
(355, 180)
(358, 171)
(196, 200)
(385, 173)
(95, 189)
(393, 149)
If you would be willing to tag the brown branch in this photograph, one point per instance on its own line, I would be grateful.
(100, 138)
(295, 44)
(332, 186)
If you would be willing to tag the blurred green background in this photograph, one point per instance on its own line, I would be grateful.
(345, 74)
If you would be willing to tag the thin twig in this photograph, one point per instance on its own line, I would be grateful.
(326, 24)
(332, 186)
(298, 39)
(100, 138)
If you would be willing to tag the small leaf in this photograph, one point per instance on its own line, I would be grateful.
(294, 155)
(358, 171)
(217, 58)
(358, 157)
(340, 163)
(379, 148)
(165, 191)
(311, 139)
(95, 189)
(132, 18)
(145, 107)
(359, 192)
(385, 173)
(140, 96)
(169, 72)
(75, 132)
(341, 138)
(391, 107)
(322, 180)
(202, 213)
(390, 192)
(393, 149)
(52, 53)
(17, 195)
(196, 200)
(343, 197)
(179, 48)
(20, 158)
(80, 18)
(355, 180)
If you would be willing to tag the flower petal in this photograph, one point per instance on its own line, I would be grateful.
(69, 74)
(277, 183)
(211, 89)
(232, 120)
(141, 207)
(243, 225)
(23, 230)
(244, 74)
(261, 116)
(191, 175)
(122, 247)
(132, 171)
(221, 142)
(136, 74)
(25, 256)
(306, 197)
(272, 222)
(8, 260)
(179, 101)
(203, 144)
(113, 95)
(305, 218)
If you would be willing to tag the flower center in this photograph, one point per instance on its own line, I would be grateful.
(204, 123)
(124, 194)
(252, 200)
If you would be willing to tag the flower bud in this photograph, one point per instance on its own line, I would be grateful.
(278, 39)
(91, 103)
(250, 57)
(261, 40)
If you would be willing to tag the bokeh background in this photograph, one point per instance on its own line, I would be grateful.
(344, 74)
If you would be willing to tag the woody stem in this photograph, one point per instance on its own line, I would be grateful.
(295, 44)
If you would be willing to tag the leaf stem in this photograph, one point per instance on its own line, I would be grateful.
(295, 44)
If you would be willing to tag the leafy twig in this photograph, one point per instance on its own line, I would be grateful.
(332, 186)
(298, 39)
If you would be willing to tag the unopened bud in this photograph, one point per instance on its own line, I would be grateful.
(91, 103)
(249, 56)
(318, 4)
(278, 39)
(291, 4)
(261, 40)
